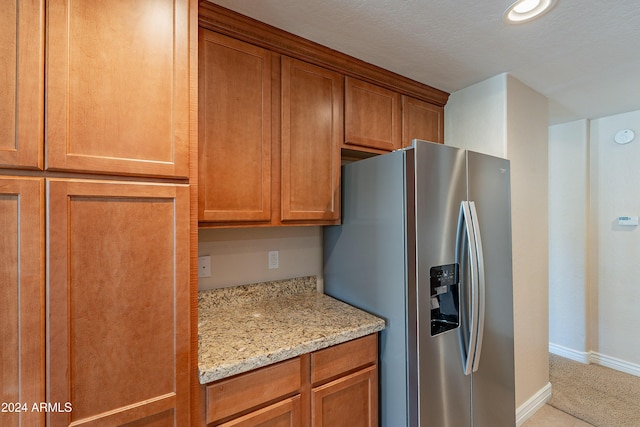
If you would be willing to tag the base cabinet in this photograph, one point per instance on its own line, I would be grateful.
(333, 387)
(21, 300)
(117, 303)
(348, 401)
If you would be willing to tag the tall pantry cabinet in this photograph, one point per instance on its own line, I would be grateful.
(95, 218)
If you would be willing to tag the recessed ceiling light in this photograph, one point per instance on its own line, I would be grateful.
(526, 10)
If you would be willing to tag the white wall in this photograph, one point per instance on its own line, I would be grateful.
(240, 256)
(475, 117)
(568, 237)
(594, 263)
(503, 117)
(615, 191)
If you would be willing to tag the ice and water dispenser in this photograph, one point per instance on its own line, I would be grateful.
(445, 302)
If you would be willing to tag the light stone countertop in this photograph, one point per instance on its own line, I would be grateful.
(247, 327)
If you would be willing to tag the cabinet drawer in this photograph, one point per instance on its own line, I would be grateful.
(337, 360)
(243, 392)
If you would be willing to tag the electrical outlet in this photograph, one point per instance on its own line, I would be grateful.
(204, 266)
(274, 262)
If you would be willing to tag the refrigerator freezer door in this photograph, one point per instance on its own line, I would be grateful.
(493, 383)
(440, 187)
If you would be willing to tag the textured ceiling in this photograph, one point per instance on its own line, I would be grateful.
(584, 55)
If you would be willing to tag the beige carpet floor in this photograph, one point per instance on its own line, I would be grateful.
(600, 396)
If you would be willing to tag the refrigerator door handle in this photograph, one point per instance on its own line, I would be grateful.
(465, 234)
(480, 286)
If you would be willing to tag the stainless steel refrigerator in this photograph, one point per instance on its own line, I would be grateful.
(425, 243)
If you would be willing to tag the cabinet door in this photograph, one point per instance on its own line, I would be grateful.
(118, 86)
(234, 130)
(118, 303)
(348, 401)
(372, 116)
(421, 120)
(22, 299)
(21, 83)
(312, 132)
(282, 414)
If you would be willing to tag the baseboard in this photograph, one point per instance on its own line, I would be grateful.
(531, 406)
(597, 358)
(617, 364)
(569, 353)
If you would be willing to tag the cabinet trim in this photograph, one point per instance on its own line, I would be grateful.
(227, 22)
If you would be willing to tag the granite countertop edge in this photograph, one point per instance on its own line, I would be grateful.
(323, 322)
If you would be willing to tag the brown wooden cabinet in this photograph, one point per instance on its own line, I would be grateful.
(270, 133)
(22, 358)
(248, 398)
(312, 131)
(118, 87)
(21, 84)
(348, 401)
(421, 120)
(120, 100)
(345, 384)
(336, 386)
(281, 414)
(372, 116)
(118, 302)
(234, 152)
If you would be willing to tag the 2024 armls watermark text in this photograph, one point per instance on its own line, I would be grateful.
(13, 407)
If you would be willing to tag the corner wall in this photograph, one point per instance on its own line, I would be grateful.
(594, 266)
(503, 117)
(615, 270)
(569, 239)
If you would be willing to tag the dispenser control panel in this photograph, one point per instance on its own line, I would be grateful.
(444, 298)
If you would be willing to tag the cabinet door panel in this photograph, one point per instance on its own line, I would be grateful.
(312, 132)
(118, 293)
(372, 116)
(421, 120)
(22, 298)
(348, 401)
(21, 84)
(118, 86)
(234, 130)
(281, 414)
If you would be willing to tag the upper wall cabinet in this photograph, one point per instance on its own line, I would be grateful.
(421, 120)
(270, 134)
(21, 84)
(234, 151)
(118, 87)
(372, 116)
(312, 131)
